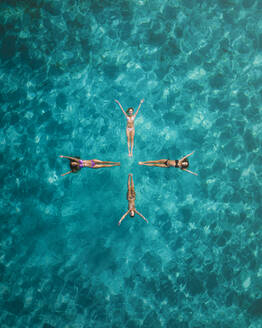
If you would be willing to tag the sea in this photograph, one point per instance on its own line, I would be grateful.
(64, 261)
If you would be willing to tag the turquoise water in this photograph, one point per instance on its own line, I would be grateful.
(64, 262)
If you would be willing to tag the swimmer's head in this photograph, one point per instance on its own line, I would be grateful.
(184, 164)
(132, 213)
(74, 166)
(130, 111)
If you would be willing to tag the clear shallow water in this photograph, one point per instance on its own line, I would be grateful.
(64, 262)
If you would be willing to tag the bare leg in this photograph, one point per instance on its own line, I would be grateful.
(128, 142)
(133, 193)
(99, 166)
(132, 183)
(132, 142)
(129, 181)
(156, 164)
(102, 162)
(115, 164)
(160, 161)
(129, 185)
(107, 162)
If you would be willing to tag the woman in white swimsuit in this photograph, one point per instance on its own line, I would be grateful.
(130, 129)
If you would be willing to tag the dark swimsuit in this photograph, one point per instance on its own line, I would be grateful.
(177, 161)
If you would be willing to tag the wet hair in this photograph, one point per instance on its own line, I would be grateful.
(131, 213)
(128, 110)
(185, 164)
(74, 167)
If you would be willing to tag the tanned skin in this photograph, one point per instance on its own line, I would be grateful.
(130, 128)
(181, 163)
(131, 196)
(92, 163)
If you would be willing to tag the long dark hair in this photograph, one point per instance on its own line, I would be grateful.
(74, 167)
(128, 110)
(185, 163)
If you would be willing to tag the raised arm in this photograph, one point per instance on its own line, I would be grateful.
(70, 158)
(66, 173)
(122, 218)
(141, 216)
(121, 107)
(190, 172)
(187, 156)
(141, 102)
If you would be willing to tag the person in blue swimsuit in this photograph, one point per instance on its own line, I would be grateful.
(76, 164)
(182, 163)
(130, 128)
(131, 196)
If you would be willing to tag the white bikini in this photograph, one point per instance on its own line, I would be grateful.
(130, 119)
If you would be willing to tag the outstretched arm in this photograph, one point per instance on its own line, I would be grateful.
(122, 218)
(187, 156)
(70, 158)
(66, 173)
(141, 216)
(141, 102)
(190, 171)
(121, 107)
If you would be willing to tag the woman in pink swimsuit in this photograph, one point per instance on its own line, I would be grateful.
(130, 129)
(76, 164)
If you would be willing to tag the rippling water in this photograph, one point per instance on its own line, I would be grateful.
(64, 262)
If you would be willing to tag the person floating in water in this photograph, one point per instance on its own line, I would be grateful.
(131, 196)
(76, 164)
(182, 163)
(130, 129)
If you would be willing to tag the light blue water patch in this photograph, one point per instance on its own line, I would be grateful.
(64, 262)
